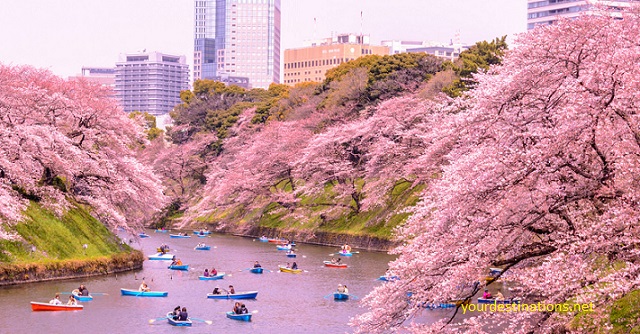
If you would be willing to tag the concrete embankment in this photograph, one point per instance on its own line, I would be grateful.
(369, 243)
(18, 273)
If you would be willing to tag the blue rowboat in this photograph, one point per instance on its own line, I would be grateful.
(283, 247)
(344, 253)
(160, 231)
(143, 235)
(178, 322)
(495, 301)
(202, 232)
(179, 267)
(239, 295)
(82, 298)
(389, 278)
(211, 278)
(291, 254)
(162, 257)
(130, 292)
(179, 236)
(242, 317)
(203, 248)
(264, 239)
(256, 270)
(340, 296)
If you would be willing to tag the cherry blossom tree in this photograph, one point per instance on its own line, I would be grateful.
(67, 140)
(540, 177)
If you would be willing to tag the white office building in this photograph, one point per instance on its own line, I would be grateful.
(150, 81)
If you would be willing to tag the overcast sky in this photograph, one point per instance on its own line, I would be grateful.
(64, 35)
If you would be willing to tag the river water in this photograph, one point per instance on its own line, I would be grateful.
(286, 303)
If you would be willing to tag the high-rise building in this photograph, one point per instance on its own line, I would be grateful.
(105, 76)
(150, 81)
(237, 39)
(540, 13)
(311, 63)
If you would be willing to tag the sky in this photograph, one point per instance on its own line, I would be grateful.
(65, 35)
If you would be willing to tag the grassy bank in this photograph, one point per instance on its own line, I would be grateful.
(325, 212)
(51, 247)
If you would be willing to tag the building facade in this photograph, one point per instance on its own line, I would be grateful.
(238, 39)
(150, 82)
(311, 63)
(545, 12)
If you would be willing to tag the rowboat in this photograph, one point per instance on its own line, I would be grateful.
(291, 254)
(289, 270)
(179, 236)
(433, 306)
(130, 292)
(283, 247)
(243, 317)
(212, 277)
(345, 253)
(495, 301)
(256, 270)
(179, 267)
(35, 306)
(81, 298)
(203, 248)
(277, 241)
(202, 232)
(495, 271)
(334, 265)
(143, 235)
(161, 256)
(340, 296)
(263, 239)
(178, 322)
(238, 295)
(389, 278)
(159, 231)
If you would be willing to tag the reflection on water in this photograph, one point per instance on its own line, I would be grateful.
(286, 303)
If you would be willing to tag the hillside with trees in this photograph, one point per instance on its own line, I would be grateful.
(68, 168)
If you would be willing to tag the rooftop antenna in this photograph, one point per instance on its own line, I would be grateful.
(314, 31)
(361, 34)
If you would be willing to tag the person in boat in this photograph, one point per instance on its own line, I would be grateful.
(72, 300)
(333, 260)
(499, 296)
(83, 291)
(231, 289)
(176, 262)
(288, 266)
(346, 290)
(216, 291)
(346, 248)
(56, 300)
(243, 309)
(294, 266)
(206, 272)
(144, 287)
(184, 316)
(341, 288)
(237, 309)
(338, 260)
(487, 294)
(176, 313)
(214, 272)
(257, 265)
(200, 245)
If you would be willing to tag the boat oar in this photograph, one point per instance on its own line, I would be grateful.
(156, 319)
(327, 296)
(208, 322)
(354, 296)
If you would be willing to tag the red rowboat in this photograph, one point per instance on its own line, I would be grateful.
(334, 265)
(35, 306)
